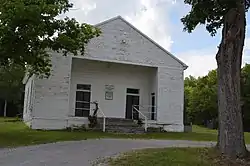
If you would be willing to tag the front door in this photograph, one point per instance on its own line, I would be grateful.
(132, 100)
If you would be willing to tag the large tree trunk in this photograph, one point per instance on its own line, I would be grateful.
(231, 135)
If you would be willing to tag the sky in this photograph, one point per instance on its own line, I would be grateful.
(160, 20)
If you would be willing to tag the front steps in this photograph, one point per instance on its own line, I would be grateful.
(119, 125)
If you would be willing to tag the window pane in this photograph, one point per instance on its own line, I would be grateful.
(79, 96)
(82, 105)
(83, 96)
(133, 91)
(78, 112)
(86, 96)
(81, 113)
(79, 105)
(85, 113)
(83, 87)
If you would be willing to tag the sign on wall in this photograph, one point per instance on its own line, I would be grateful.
(109, 92)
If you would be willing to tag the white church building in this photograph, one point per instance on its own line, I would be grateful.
(122, 70)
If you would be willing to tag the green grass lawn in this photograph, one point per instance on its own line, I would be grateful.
(174, 157)
(14, 134)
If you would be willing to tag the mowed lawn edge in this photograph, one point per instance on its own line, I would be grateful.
(16, 133)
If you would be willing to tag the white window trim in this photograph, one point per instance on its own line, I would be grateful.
(76, 101)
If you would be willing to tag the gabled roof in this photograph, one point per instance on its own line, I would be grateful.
(144, 35)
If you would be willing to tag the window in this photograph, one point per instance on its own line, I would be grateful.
(133, 91)
(83, 95)
(83, 87)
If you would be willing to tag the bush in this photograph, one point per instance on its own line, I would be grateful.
(92, 121)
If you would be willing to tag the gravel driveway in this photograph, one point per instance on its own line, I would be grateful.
(82, 153)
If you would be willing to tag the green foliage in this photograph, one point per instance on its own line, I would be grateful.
(245, 96)
(201, 97)
(92, 121)
(28, 28)
(11, 86)
(209, 13)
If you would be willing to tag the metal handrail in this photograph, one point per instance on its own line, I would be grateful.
(104, 120)
(146, 119)
(146, 107)
(100, 110)
(103, 115)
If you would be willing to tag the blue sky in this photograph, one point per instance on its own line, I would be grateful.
(160, 20)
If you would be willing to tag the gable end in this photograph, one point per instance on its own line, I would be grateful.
(145, 36)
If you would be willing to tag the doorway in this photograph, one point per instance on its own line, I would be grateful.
(153, 113)
(132, 99)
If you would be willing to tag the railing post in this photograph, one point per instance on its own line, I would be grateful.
(146, 125)
(132, 112)
(104, 124)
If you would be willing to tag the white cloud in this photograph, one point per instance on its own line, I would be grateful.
(200, 62)
(247, 43)
(246, 56)
(153, 21)
(149, 16)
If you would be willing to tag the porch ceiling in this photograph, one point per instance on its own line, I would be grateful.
(114, 61)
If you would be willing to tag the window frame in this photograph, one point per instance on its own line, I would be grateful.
(133, 91)
(87, 90)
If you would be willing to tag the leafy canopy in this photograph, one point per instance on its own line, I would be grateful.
(201, 97)
(208, 12)
(30, 27)
(11, 86)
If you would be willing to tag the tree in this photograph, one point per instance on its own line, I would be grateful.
(245, 94)
(201, 99)
(230, 15)
(11, 86)
(29, 27)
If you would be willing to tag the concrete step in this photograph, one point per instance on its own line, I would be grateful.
(119, 125)
(120, 129)
(108, 123)
(118, 121)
